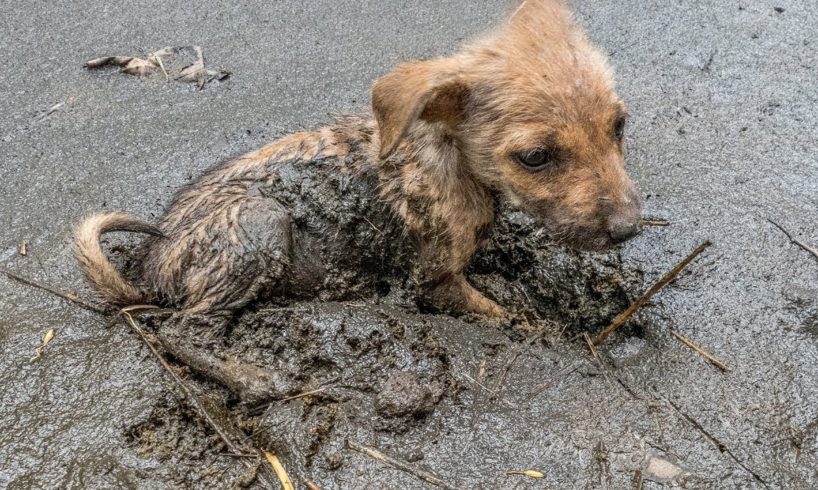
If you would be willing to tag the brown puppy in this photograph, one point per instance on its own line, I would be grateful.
(528, 114)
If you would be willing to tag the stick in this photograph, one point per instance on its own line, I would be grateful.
(56, 292)
(423, 475)
(803, 245)
(700, 351)
(664, 281)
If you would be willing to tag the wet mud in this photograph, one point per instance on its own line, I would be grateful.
(378, 369)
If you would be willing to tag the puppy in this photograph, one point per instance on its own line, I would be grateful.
(526, 115)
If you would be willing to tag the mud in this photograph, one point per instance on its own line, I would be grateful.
(722, 136)
(375, 369)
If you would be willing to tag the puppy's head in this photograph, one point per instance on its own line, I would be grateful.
(530, 112)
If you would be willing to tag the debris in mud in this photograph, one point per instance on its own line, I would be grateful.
(48, 337)
(661, 470)
(795, 241)
(405, 394)
(183, 64)
(423, 475)
(529, 473)
(664, 281)
(700, 351)
(655, 222)
(281, 473)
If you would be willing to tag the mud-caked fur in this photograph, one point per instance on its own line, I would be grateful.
(528, 114)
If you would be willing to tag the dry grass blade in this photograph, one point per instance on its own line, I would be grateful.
(529, 473)
(807, 247)
(664, 281)
(423, 475)
(591, 345)
(281, 473)
(56, 292)
(700, 351)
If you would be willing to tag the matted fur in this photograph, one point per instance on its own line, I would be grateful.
(441, 149)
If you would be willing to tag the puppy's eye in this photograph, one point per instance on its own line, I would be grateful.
(534, 159)
(619, 128)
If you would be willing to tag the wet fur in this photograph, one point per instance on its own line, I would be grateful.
(427, 170)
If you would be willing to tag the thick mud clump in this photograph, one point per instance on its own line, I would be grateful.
(378, 369)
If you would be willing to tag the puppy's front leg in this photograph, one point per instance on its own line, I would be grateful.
(457, 295)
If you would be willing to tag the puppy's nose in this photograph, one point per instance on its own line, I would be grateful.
(622, 230)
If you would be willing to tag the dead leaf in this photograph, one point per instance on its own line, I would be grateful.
(183, 64)
(48, 337)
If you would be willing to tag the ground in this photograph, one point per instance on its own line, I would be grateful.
(722, 137)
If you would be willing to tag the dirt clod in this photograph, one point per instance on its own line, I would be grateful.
(405, 394)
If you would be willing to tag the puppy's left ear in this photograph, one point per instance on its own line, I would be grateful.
(429, 90)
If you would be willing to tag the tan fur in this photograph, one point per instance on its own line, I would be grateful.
(108, 282)
(445, 144)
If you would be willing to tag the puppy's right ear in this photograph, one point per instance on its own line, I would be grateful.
(429, 90)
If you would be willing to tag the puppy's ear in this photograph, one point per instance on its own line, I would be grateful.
(429, 90)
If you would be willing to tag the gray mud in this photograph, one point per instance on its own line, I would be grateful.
(724, 110)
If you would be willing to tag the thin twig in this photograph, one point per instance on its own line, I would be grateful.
(504, 374)
(305, 394)
(655, 222)
(56, 292)
(481, 385)
(373, 226)
(809, 248)
(591, 346)
(664, 281)
(311, 485)
(427, 476)
(700, 351)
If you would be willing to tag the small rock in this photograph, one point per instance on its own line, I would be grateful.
(405, 394)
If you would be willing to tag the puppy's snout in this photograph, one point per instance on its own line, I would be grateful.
(622, 229)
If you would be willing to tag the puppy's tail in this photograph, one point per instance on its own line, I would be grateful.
(96, 267)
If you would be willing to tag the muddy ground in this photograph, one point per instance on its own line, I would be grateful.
(724, 106)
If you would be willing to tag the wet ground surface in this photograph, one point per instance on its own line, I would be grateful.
(724, 111)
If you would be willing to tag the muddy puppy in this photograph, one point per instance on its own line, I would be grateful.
(527, 115)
